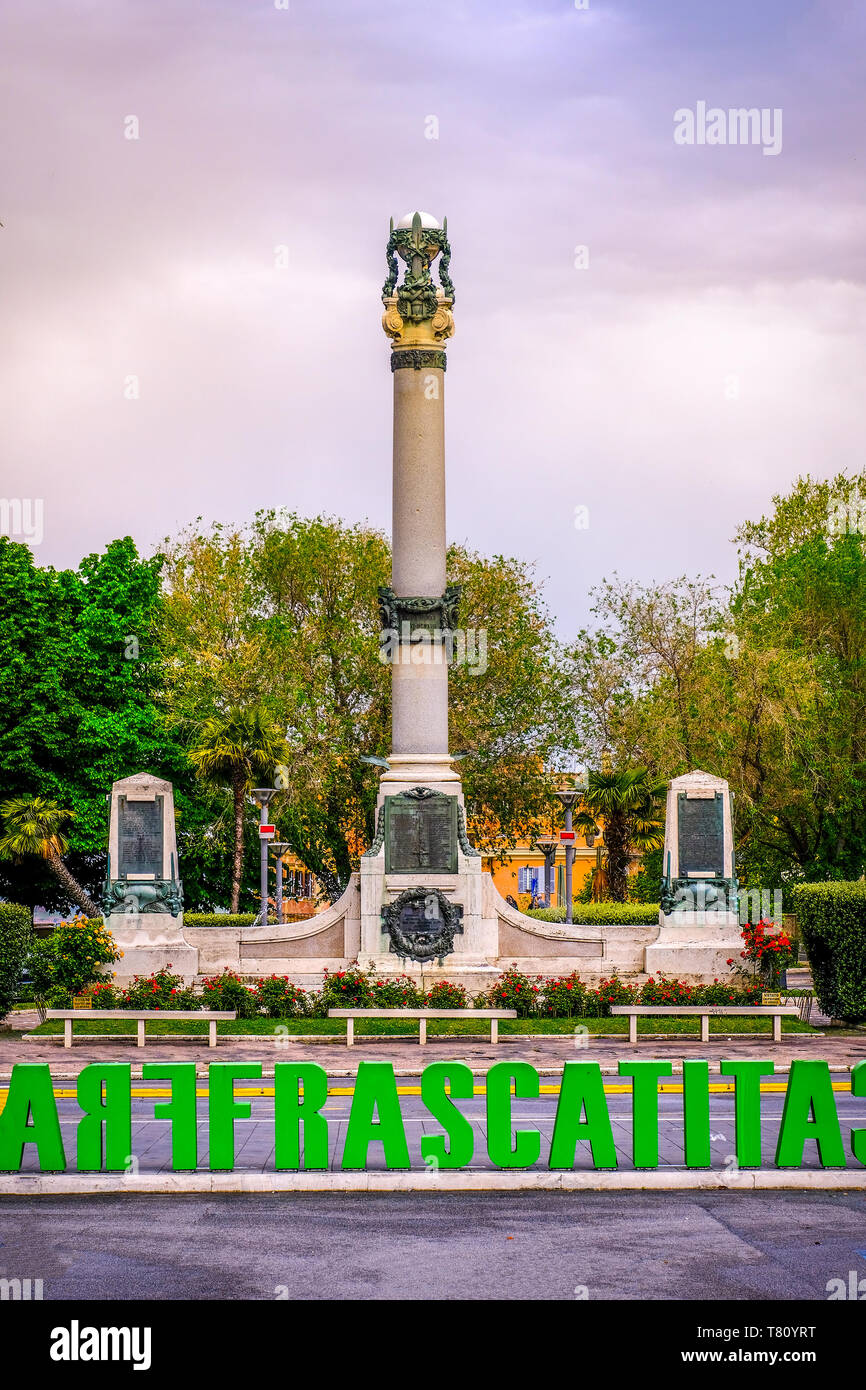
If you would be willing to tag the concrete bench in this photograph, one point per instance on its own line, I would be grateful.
(141, 1017)
(422, 1015)
(705, 1012)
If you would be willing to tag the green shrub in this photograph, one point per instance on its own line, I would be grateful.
(444, 995)
(564, 997)
(161, 990)
(347, 989)
(228, 991)
(612, 991)
(662, 991)
(721, 993)
(105, 996)
(218, 919)
(401, 992)
(279, 998)
(66, 962)
(516, 991)
(602, 914)
(831, 920)
(16, 934)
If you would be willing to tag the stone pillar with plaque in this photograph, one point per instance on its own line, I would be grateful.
(142, 899)
(699, 926)
(421, 880)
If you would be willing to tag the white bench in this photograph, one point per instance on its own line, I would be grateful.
(422, 1015)
(705, 1012)
(141, 1017)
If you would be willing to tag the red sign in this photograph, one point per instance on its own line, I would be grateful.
(266, 830)
(568, 835)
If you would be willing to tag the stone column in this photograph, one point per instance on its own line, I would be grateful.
(419, 604)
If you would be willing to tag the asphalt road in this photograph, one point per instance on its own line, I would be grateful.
(531, 1245)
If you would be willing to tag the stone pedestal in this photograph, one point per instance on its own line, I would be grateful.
(697, 948)
(150, 941)
(699, 925)
(475, 946)
(143, 895)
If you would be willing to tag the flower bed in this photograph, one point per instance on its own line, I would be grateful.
(565, 996)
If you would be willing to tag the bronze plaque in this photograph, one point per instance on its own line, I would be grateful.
(701, 836)
(139, 838)
(421, 834)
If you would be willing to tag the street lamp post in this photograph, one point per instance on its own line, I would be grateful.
(280, 847)
(548, 845)
(570, 797)
(262, 796)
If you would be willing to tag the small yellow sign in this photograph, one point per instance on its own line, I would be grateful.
(82, 1001)
(768, 997)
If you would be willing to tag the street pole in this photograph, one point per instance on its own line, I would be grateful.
(548, 844)
(262, 797)
(570, 797)
(569, 869)
(280, 847)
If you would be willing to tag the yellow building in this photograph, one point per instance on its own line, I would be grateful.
(523, 872)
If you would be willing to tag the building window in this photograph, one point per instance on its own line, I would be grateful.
(528, 879)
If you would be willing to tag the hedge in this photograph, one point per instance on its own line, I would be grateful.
(602, 914)
(831, 918)
(16, 931)
(207, 919)
(218, 919)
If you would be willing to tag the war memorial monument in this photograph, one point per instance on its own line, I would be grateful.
(421, 902)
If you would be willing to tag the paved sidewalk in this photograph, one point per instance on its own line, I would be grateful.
(544, 1053)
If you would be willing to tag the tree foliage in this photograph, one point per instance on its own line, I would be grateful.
(763, 685)
(80, 679)
(285, 615)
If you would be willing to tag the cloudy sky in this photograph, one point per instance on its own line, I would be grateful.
(711, 350)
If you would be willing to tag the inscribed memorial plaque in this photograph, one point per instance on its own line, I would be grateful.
(140, 838)
(421, 834)
(701, 835)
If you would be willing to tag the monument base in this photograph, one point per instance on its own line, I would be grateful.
(151, 941)
(696, 945)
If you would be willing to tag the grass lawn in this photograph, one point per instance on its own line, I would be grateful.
(440, 1027)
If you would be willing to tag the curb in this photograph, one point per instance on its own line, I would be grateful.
(177, 1184)
(340, 1038)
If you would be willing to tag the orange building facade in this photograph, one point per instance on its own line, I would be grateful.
(522, 874)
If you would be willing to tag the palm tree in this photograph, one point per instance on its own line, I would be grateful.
(33, 825)
(627, 802)
(238, 747)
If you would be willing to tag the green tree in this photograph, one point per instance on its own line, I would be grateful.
(80, 703)
(33, 827)
(288, 610)
(16, 936)
(799, 617)
(238, 747)
(763, 685)
(626, 802)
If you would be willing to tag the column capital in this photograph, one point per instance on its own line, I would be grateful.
(417, 311)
